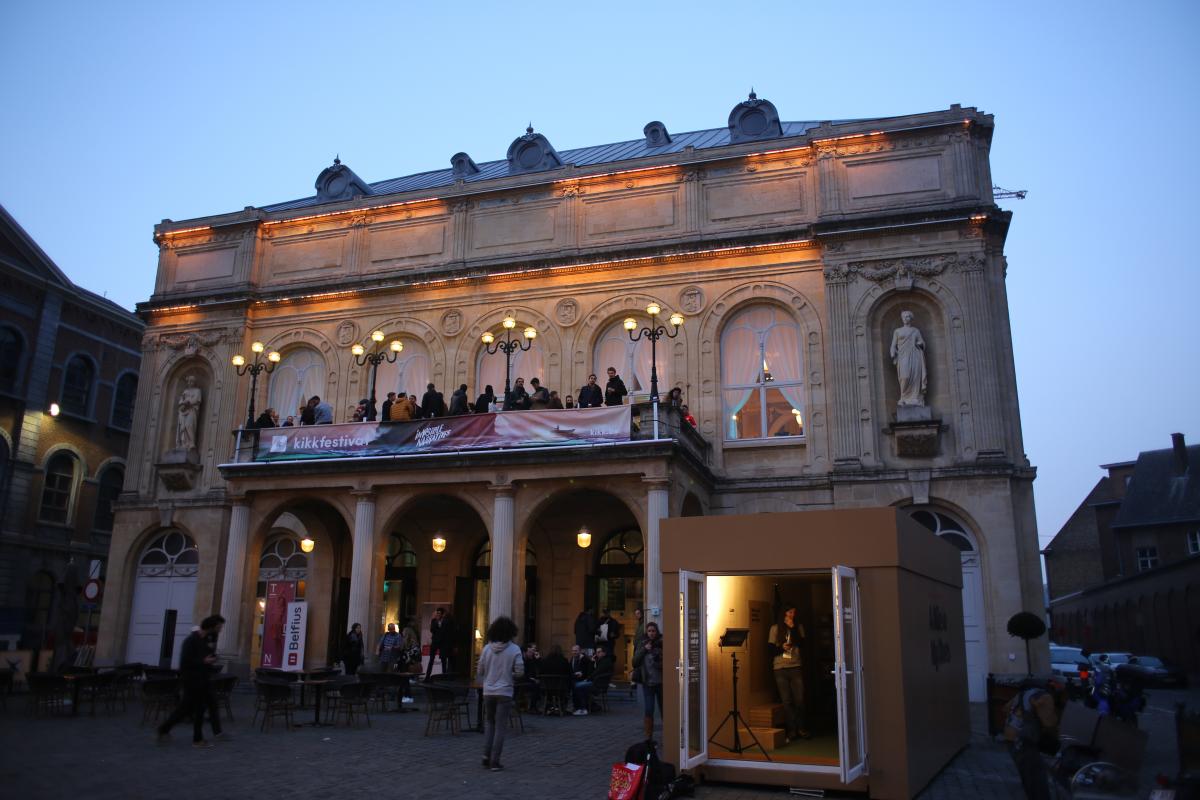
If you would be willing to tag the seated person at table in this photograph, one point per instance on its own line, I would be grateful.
(581, 672)
(530, 683)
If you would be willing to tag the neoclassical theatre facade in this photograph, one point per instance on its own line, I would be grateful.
(845, 343)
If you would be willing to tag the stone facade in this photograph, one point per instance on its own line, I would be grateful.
(61, 345)
(835, 231)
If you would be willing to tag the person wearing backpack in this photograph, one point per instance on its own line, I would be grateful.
(1031, 730)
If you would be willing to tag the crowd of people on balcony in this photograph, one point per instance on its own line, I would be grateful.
(401, 407)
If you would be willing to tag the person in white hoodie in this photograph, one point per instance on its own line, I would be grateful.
(500, 665)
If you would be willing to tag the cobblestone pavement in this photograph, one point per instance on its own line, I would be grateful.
(111, 756)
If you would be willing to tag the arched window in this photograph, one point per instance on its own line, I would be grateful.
(632, 359)
(282, 560)
(123, 397)
(411, 373)
(111, 481)
(401, 553)
(944, 527)
(299, 375)
(10, 358)
(77, 385)
(58, 490)
(623, 549)
(526, 364)
(172, 555)
(762, 374)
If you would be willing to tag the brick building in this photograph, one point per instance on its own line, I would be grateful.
(68, 378)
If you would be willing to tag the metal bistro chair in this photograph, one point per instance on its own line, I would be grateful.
(353, 699)
(159, 698)
(222, 689)
(601, 683)
(99, 688)
(275, 700)
(556, 691)
(47, 692)
(443, 709)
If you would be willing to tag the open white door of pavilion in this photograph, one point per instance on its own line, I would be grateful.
(693, 671)
(847, 673)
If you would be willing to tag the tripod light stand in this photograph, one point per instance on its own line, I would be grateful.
(736, 637)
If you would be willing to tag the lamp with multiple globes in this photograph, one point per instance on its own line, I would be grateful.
(654, 331)
(375, 357)
(508, 347)
(255, 368)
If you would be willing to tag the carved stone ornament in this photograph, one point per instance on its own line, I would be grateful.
(691, 299)
(567, 311)
(916, 432)
(179, 469)
(902, 269)
(346, 333)
(452, 322)
(191, 343)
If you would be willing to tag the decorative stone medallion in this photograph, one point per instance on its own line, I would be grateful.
(452, 322)
(691, 299)
(567, 311)
(347, 333)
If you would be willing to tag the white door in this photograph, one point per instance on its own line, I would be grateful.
(693, 671)
(847, 673)
(973, 628)
(152, 597)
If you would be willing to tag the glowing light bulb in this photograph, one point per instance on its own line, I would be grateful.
(258, 347)
(376, 336)
(653, 309)
(487, 337)
(509, 323)
(630, 323)
(238, 361)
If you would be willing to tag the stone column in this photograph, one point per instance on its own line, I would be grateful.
(360, 567)
(235, 577)
(500, 602)
(981, 343)
(847, 452)
(656, 510)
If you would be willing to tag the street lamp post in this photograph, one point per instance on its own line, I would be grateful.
(508, 347)
(654, 332)
(255, 369)
(376, 357)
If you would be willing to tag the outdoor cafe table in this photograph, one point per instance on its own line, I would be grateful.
(318, 685)
(464, 688)
(75, 680)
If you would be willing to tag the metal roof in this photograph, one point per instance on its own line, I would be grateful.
(581, 157)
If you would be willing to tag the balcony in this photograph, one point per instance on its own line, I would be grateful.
(493, 434)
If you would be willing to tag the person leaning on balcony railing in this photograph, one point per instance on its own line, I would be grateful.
(483, 403)
(385, 409)
(517, 399)
(540, 399)
(555, 400)
(614, 390)
(591, 396)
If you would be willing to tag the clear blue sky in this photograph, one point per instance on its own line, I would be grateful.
(119, 114)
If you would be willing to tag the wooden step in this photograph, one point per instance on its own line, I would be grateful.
(769, 738)
(768, 716)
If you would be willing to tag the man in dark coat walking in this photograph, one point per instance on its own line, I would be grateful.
(197, 658)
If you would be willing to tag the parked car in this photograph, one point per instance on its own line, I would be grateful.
(1069, 663)
(1155, 673)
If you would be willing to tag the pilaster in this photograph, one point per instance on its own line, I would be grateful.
(360, 566)
(500, 601)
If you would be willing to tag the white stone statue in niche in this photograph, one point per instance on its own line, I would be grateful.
(908, 354)
(189, 414)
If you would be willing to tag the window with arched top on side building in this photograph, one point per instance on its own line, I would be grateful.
(527, 364)
(632, 359)
(107, 490)
(762, 371)
(299, 375)
(79, 375)
(123, 398)
(164, 589)
(11, 347)
(399, 581)
(58, 489)
(171, 555)
(410, 374)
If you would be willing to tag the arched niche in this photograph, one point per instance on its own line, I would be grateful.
(174, 384)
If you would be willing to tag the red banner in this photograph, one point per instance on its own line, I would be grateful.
(506, 429)
(279, 594)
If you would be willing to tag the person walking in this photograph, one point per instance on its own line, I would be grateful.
(196, 660)
(500, 665)
(352, 650)
(648, 659)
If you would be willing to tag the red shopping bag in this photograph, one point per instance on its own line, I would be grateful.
(628, 782)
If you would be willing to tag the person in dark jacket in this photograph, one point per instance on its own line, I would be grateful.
(267, 419)
(590, 395)
(484, 401)
(458, 401)
(197, 660)
(441, 641)
(585, 631)
(386, 409)
(518, 398)
(614, 390)
(432, 403)
(581, 683)
(308, 412)
(555, 400)
(539, 400)
(647, 657)
(352, 649)
(555, 663)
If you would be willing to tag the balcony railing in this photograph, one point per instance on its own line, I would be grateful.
(505, 430)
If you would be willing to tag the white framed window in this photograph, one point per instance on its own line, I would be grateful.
(614, 348)
(58, 489)
(762, 371)
(411, 373)
(299, 375)
(1147, 558)
(1193, 539)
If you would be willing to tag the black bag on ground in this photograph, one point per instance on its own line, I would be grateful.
(659, 774)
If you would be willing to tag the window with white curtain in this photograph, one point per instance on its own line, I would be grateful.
(299, 375)
(761, 374)
(632, 359)
(411, 373)
(526, 364)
